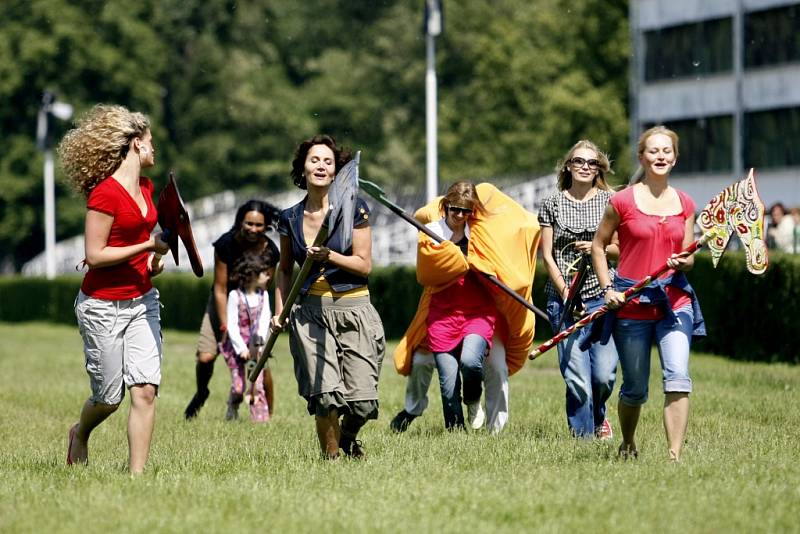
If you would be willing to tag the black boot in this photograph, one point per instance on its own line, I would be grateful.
(348, 443)
(401, 421)
(203, 372)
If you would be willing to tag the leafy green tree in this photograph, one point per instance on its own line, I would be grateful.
(84, 54)
(232, 86)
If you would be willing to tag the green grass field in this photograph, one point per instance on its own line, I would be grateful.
(740, 469)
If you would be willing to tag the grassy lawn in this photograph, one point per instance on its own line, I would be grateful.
(740, 468)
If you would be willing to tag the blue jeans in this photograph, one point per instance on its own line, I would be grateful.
(634, 339)
(473, 351)
(589, 375)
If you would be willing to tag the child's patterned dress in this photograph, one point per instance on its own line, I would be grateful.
(253, 393)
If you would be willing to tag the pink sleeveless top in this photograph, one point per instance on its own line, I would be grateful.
(465, 307)
(645, 243)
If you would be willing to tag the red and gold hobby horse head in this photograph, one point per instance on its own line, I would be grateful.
(737, 210)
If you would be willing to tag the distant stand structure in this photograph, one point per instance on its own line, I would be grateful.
(394, 241)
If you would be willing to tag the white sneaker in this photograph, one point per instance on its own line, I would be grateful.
(475, 415)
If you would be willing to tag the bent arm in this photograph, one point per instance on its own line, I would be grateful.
(234, 334)
(681, 261)
(550, 263)
(221, 291)
(612, 250)
(688, 239)
(601, 242)
(264, 318)
(360, 262)
(439, 264)
(99, 254)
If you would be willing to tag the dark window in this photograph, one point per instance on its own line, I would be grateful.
(705, 145)
(772, 138)
(689, 50)
(772, 37)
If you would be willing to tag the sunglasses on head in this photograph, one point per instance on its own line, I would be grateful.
(456, 209)
(580, 162)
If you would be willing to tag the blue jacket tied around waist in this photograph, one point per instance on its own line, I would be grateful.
(654, 293)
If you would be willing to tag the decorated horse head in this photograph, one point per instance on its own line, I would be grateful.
(737, 210)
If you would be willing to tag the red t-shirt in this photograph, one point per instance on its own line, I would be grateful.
(645, 243)
(129, 279)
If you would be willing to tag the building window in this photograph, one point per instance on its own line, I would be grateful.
(689, 50)
(772, 138)
(705, 144)
(772, 36)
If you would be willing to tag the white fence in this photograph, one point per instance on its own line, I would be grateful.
(394, 241)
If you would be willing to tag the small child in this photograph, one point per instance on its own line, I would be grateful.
(248, 307)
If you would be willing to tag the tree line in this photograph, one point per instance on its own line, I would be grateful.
(232, 86)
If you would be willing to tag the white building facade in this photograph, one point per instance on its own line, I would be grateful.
(725, 75)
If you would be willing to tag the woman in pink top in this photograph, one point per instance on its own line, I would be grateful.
(117, 307)
(461, 317)
(655, 222)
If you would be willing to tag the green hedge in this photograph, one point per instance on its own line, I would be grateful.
(37, 299)
(748, 317)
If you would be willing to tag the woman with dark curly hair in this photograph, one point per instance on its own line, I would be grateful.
(247, 235)
(117, 307)
(336, 335)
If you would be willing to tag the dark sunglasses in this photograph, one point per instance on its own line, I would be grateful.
(462, 211)
(580, 162)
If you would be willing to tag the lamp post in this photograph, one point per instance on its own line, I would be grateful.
(44, 141)
(433, 27)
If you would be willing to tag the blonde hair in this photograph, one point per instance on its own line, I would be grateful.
(641, 146)
(565, 174)
(95, 148)
(461, 194)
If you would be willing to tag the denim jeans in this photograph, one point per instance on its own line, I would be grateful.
(473, 351)
(495, 379)
(634, 339)
(419, 381)
(589, 375)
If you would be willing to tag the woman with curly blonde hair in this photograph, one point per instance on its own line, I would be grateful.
(117, 307)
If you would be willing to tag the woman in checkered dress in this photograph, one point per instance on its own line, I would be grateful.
(569, 219)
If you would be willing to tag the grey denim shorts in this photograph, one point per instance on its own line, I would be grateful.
(121, 343)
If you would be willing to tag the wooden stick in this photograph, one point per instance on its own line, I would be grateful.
(377, 193)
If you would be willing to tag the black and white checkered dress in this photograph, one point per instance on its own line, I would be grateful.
(573, 221)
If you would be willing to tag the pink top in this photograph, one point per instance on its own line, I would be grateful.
(645, 243)
(465, 307)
